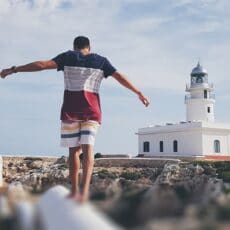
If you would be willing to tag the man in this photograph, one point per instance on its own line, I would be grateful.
(81, 112)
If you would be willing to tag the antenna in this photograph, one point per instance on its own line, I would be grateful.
(199, 60)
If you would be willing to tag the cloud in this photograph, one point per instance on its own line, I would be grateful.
(160, 48)
(156, 50)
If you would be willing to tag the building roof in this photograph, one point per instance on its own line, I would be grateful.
(184, 126)
(199, 70)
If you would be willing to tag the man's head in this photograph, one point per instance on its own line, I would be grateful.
(81, 43)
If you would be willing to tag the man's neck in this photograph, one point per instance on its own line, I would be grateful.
(85, 51)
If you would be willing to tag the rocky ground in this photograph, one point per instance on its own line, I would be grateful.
(176, 195)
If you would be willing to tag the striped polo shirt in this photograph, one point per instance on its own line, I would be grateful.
(82, 77)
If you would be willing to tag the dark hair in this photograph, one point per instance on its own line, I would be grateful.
(81, 42)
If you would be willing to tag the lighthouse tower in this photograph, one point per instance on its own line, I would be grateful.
(200, 100)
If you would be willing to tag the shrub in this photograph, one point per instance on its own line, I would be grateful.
(226, 176)
(222, 165)
(131, 175)
(98, 155)
(106, 174)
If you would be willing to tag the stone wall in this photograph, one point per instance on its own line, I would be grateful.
(101, 162)
(133, 163)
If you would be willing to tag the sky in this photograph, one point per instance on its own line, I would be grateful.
(156, 43)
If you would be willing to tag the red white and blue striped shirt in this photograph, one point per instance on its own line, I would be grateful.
(82, 76)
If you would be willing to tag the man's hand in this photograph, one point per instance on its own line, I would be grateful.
(6, 72)
(143, 99)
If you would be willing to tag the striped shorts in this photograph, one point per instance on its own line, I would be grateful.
(77, 133)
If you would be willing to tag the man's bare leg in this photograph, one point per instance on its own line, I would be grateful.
(74, 167)
(87, 163)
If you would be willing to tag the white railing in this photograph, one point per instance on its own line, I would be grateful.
(197, 85)
(210, 96)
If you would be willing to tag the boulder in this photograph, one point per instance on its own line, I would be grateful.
(158, 201)
(102, 189)
(62, 160)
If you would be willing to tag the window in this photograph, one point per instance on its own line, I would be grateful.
(199, 79)
(146, 146)
(175, 146)
(209, 109)
(217, 146)
(205, 94)
(161, 146)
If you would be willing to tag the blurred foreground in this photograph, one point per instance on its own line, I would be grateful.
(164, 195)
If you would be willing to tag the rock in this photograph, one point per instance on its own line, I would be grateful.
(191, 211)
(144, 181)
(158, 202)
(21, 169)
(213, 189)
(223, 200)
(198, 170)
(36, 164)
(169, 175)
(10, 164)
(62, 160)
(174, 174)
(105, 188)
(173, 224)
(209, 170)
(38, 180)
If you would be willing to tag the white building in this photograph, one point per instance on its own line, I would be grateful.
(199, 135)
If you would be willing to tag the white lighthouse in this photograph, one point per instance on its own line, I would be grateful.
(198, 136)
(200, 100)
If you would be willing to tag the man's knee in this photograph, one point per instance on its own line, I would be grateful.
(88, 152)
(75, 151)
(87, 149)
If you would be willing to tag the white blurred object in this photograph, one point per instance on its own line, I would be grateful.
(15, 187)
(16, 193)
(24, 216)
(1, 165)
(4, 207)
(56, 212)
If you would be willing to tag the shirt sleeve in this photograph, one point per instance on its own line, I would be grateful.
(60, 61)
(108, 68)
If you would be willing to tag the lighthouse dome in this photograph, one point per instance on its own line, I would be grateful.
(199, 70)
(199, 75)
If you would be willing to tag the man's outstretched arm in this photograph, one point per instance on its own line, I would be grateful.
(31, 67)
(125, 82)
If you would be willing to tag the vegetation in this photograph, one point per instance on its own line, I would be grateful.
(222, 168)
(98, 155)
(33, 159)
(182, 193)
(225, 176)
(106, 174)
(131, 175)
